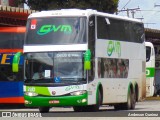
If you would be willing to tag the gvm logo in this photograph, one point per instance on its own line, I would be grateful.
(114, 47)
(45, 29)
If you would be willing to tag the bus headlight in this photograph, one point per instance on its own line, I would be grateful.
(81, 92)
(31, 94)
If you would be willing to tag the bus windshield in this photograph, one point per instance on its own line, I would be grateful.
(148, 53)
(56, 31)
(12, 39)
(54, 67)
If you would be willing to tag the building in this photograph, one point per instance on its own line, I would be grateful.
(11, 3)
(12, 15)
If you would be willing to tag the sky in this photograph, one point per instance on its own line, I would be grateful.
(148, 12)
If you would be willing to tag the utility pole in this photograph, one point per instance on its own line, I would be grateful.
(127, 12)
(132, 11)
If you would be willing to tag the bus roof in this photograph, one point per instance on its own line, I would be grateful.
(13, 29)
(78, 12)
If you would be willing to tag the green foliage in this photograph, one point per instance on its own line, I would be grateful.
(109, 6)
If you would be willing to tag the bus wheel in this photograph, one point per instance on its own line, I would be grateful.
(118, 107)
(127, 105)
(99, 102)
(43, 109)
(133, 100)
(90, 108)
(78, 109)
(155, 92)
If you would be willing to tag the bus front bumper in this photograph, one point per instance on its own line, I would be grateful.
(53, 101)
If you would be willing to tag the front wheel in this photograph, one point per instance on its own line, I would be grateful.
(90, 108)
(44, 109)
(98, 103)
(78, 109)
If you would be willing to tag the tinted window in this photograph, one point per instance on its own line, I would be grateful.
(11, 40)
(6, 73)
(148, 53)
(56, 31)
(113, 29)
(113, 68)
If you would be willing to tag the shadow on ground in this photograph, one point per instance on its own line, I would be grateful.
(13, 106)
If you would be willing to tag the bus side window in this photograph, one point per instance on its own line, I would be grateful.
(103, 27)
(6, 74)
(137, 32)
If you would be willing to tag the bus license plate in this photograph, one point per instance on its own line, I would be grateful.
(53, 101)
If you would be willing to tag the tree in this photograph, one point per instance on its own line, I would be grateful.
(109, 6)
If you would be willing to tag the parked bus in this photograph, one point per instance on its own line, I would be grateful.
(83, 58)
(11, 84)
(150, 69)
(157, 68)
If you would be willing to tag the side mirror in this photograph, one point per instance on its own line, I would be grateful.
(15, 62)
(87, 60)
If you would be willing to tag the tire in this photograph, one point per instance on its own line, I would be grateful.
(78, 109)
(130, 104)
(155, 92)
(94, 108)
(44, 109)
(90, 108)
(127, 105)
(133, 100)
(118, 107)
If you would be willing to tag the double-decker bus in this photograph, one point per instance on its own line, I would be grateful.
(11, 84)
(84, 59)
(150, 69)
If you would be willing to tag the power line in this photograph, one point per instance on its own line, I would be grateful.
(132, 11)
(125, 5)
(149, 10)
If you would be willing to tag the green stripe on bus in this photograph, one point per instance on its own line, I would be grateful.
(150, 72)
(56, 101)
(39, 90)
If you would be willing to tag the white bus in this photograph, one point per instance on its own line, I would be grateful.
(150, 69)
(84, 59)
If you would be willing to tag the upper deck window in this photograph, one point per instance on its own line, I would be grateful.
(56, 30)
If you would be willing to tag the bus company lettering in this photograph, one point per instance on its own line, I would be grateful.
(45, 29)
(114, 47)
(7, 58)
(68, 88)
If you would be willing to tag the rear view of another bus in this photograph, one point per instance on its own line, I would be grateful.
(150, 69)
(11, 84)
